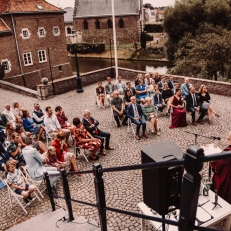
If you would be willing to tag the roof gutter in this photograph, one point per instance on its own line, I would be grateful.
(37, 12)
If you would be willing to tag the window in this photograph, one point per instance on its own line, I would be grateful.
(109, 23)
(41, 32)
(56, 31)
(39, 7)
(42, 56)
(25, 33)
(121, 23)
(97, 24)
(6, 65)
(85, 25)
(68, 30)
(27, 58)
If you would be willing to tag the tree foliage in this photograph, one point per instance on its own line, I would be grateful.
(198, 37)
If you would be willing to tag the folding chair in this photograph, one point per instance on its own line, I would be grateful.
(79, 151)
(48, 137)
(38, 184)
(13, 197)
(131, 126)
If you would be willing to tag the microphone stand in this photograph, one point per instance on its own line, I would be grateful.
(216, 200)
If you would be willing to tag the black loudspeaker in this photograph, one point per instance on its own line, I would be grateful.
(162, 186)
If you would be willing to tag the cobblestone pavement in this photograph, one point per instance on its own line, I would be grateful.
(123, 189)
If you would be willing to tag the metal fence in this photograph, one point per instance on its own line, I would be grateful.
(192, 163)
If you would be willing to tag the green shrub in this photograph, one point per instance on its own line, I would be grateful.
(86, 48)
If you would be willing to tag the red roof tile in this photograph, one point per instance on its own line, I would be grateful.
(21, 6)
(3, 26)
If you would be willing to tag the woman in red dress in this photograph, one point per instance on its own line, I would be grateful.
(222, 175)
(85, 140)
(179, 113)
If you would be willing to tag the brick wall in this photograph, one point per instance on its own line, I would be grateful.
(127, 34)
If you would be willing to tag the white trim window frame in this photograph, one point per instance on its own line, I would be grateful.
(41, 32)
(42, 56)
(25, 33)
(56, 31)
(27, 58)
(7, 65)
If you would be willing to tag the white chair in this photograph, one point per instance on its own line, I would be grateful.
(49, 138)
(40, 185)
(79, 151)
(13, 197)
(131, 126)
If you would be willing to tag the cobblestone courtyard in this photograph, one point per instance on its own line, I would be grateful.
(123, 189)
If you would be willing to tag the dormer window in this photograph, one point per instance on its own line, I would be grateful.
(39, 7)
(41, 32)
(56, 31)
(25, 33)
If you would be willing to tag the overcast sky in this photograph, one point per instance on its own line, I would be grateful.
(66, 3)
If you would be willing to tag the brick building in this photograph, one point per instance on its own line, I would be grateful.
(93, 19)
(32, 38)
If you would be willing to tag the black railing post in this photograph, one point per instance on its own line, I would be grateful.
(67, 194)
(190, 188)
(49, 190)
(100, 196)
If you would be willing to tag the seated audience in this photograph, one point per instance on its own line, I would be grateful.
(193, 105)
(161, 84)
(19, 123)
(109, 88)
(204, 101)
(3, 121)
(135, 114)
(149, 114)
(62, 152)
(158, 101)
(147, 79)
(22, 139)
(91, 126)
(130, 88)
(156, 77)
(14, 148)
(185, 88)
(222, 175)
(4, 157)
(166, 95)
(34, 162)
(100, 94)
(127, 99)
(60, 114)
(17, 110)
(9, 130)
(30, 126)
(120, 86)
(141, 92)
(85, 140)
(179, 113)
(9, 114)
(138, 78)
(52, 125)
(53, 161)
(152, 88)
(118, 109)
(17, 182)
(38, 114)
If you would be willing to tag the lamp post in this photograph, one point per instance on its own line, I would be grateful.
(79, 88)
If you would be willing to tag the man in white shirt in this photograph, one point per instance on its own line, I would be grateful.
(52, 125)
(38, 114)
(9, 114)
(109, 88)
(120, 86)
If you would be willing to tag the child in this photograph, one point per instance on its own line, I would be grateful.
(16, 181)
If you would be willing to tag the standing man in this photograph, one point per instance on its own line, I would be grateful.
(109, 88)
(192, 105)
(171, 83)
(135, 114)
(91, 126)
(52, 125)
(118, 109)
(161, 83)
(120, 86)
(185, 87)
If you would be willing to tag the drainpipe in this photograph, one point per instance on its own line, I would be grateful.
(19, 59)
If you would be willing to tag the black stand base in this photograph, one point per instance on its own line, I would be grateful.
(79, 90)
(215, 205)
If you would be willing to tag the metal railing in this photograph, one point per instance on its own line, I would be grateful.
(193, 164)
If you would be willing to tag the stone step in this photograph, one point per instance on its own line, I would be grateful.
(55, 221)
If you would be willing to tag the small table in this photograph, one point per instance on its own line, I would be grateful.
(217, 213)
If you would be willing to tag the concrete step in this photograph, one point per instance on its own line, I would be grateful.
(54, 221)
